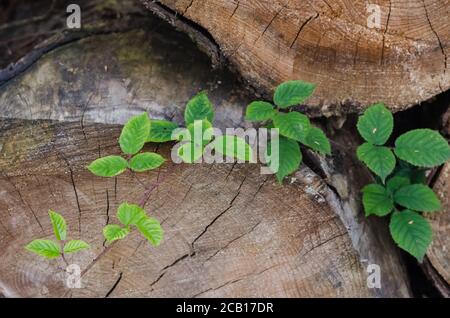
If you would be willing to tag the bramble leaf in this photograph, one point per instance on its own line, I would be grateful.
(292, 93)
(151, 229)
(114, 232)
(422, 148)
(145, 161)
(292, 125)
(200, 132)
(259, 111)
(45, 248)
(199, 108)
(417, 197)
(411, 232)
(75, 246)
(190, 152)
(376, 124)
(108, 166)
(130, 214)
(317, 140)
(59, 225)
(397, 182)
(134, 134)
(233, 146)
(378, 159)
(161, 130)
(376, 200)
(289, 157)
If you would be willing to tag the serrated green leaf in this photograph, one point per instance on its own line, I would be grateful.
(108, 166)
(378, 159)
(376, 125)
(134, 134)
(130, 214)
(45, 248)
(189, 152)
(114, 232)
(259, 111)
(411, 232)
(151, 229)
(292, 93)
(422, 148)
(161, 130)
(199, 108)
(289, 157)
(200, 132)
(397, 182)
(317, 140)
(59, 225)
(376, 200)
(233, 146)
(292, 125)
(75, 246)
(145, 161)
(417, 197)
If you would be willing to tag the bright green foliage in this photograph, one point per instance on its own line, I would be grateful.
(289, 157)
(376, 125)
(199, 108)
(233, 146)
(259, 111)
(134, 134)
(59, 225)
(293, 126)
(189, 152)
(113, 232)
(379, 159)
(108, 166)
(145, 161)
(151, 230)
(411, 232)
(417, 197)
(161, 130)
(130, 214)
(377, 200)
(45, 248)
(292, 93)
(406, 180)
(50, 249)
(422, 148)
(75, 246)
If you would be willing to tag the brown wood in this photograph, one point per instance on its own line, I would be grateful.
(328, 43)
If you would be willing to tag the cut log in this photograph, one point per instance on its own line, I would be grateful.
(402, 61)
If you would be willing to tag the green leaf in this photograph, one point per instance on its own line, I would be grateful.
(417, 197)
(397, 182)
(189, 152)
(145, 161)
(376, 125)
(292, 125)
(198, 108)
(422, 148)
(233, 146)
(317, 140)
(59, 225)
(75, 246)
(378, 159)
(130, 214)
(292, 93)
(411, 232)
(151, 229)
(200, 132)
(376, 200)
(134, 134)
(161, 130)
(114, 232)
(289, 157)
(108, 166)
(45, 248)
(259, 111)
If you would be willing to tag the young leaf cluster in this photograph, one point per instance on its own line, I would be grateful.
(401, 189)
(293, 126)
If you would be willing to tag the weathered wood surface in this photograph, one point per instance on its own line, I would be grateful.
(402, 63)
(230, 231)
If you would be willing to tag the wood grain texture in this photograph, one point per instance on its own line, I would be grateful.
(328, 43)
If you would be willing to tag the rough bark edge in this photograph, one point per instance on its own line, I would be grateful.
(439, 283)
